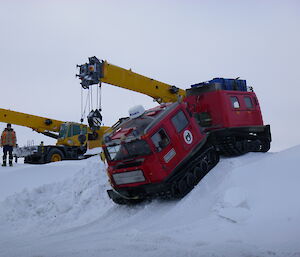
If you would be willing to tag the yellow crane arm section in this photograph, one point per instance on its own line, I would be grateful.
(39, 124)
(123, 78)
(101, 71)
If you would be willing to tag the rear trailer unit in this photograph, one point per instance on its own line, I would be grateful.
(229, 112)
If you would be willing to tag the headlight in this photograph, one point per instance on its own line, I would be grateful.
(129, 177)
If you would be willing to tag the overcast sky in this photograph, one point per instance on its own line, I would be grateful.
(177, 42)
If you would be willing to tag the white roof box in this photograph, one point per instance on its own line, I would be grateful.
(136, 111)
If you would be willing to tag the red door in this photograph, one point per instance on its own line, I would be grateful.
(164, 148)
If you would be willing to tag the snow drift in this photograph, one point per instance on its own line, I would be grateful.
(246, 206)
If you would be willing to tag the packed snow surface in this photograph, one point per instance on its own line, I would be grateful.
(246, 206)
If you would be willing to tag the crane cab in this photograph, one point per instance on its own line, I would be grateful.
(69, 134)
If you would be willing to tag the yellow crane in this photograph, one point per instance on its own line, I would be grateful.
(97, 71)
(73, 138)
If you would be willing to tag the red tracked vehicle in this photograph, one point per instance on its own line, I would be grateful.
(165, 151)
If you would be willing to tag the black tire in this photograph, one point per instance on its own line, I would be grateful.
(55, 155)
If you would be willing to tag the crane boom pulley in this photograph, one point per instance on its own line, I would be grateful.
(90, 74)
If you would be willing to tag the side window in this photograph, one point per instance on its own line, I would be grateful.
(248, 102)
(70, 131)
(63, 131)
(76, 130)
(235, 102)
(180, 121)
(83, 130)
(112, 151)
(160, 139)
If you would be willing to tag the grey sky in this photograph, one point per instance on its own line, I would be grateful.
(177, 42)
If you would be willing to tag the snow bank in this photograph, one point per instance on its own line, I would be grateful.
(20, 176)
(47, 208)
(93, 151)
(246, 206)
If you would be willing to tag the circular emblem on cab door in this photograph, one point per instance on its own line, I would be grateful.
(188, 137)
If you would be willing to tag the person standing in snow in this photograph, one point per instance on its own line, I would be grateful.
(8, 141)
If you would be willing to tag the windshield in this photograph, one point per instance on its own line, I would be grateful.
(128, 150)
(139, 124)
(63, 131)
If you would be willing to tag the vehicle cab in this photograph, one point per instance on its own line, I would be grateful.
(144, 150)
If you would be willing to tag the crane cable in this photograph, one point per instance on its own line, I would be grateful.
(91, 95)
(99, 97)
(94, 116)
(87, 103)
(81, 105)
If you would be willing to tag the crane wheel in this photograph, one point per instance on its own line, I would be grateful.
(55, 158)
(55, 155)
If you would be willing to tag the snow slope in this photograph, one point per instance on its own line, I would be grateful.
(246, 206)
(14, 179)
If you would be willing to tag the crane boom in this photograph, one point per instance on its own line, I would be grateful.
(37, 123)
(97, 71)
(128, 79)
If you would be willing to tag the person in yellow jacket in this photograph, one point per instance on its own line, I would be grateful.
(8, 141)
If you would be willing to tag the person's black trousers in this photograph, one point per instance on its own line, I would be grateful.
(7, 149)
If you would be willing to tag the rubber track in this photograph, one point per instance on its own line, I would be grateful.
(186, 180)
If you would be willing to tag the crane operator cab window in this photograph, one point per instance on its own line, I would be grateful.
(69, 130)
(75, 129)
(160, 139)
(63, 131)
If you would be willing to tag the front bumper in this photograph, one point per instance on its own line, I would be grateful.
(145, 191)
